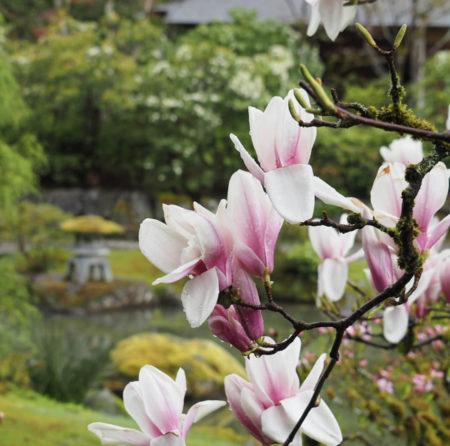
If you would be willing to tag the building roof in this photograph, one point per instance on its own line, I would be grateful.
(381, 13)
(193, 12)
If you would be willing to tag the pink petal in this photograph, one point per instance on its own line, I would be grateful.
(274, 377)
(163, 399)
(395, 323)
(249, 162)
(255, 224)
(438, 232)
(111, 434)
(431, 196)
(234, 385)
(199, 297)
(291, 192)
(379, 259)
(134, 405)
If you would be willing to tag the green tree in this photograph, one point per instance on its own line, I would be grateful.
(120, 93)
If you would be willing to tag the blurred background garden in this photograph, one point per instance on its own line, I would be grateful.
(109, 108)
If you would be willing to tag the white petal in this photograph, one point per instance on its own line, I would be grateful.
(395, 323)
(160, 244)
(331, 12)
(111, 434)
(320, 423)
(313, 376)
(386, 193)
(181, 381)
(277, 426)
(199, 297)
(422, 286)
(262, 131)
(314, 20)
(291, 192)
(322, 426)
(168, 440)
(249, 162)
(199, 411)
(178, 273)
(334, 277)
(329, 195)
(325, 241)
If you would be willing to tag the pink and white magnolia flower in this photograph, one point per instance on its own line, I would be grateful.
(334, 16)
(191, 243)
(155, 402)
(283, 149)
(384, 272)
(238, 328)
(332, 247)
(403, 150)
(271, 401)
(386, 198)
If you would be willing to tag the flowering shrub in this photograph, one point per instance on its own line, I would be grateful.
(224, 254)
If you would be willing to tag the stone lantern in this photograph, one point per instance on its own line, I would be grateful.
(90, 255)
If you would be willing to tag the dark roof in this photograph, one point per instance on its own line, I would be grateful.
(193, 12)
(382, 12)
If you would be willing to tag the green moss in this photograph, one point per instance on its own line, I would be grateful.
(205, 362)
(31, 419)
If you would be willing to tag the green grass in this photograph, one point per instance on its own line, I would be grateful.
(31, 419)
(131, 264)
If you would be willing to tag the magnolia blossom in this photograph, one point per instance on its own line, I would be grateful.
(334, 16)
(155, 402)
(191, 243)
(283, 150)
(332, 247)
(386, 198)
(215, 250)
(271, 401)
(239, 330)
(404, 150)
(384, 272)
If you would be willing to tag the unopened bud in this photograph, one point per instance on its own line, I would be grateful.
(293, 111)
(366, 34)
(322, 97)
(399, 37)
(300, 98)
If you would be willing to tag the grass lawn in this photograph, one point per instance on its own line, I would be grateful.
(31, 419)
